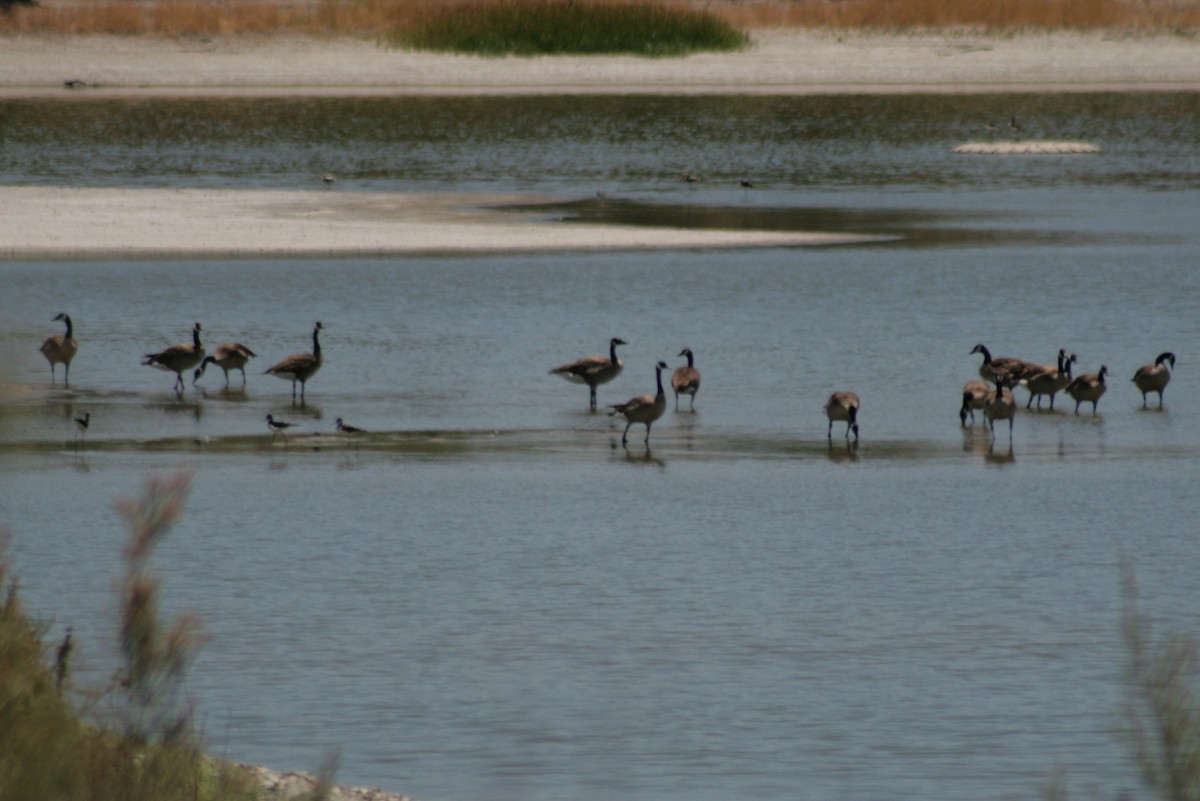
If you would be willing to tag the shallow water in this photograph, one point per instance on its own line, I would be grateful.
(488, 597)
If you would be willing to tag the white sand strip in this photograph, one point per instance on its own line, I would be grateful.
(786, 62)
(52, 222)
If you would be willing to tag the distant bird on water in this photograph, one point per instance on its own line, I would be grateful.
(1088, 387)
(81, 425)
(643, 408)
(278, 427)
(1155, 377)
(228, 356)
(974, 396)
(61, 349)
(178, 358)
(843, 407)
(686, 380)
(347, 429)
(299, 366)
(593, 370)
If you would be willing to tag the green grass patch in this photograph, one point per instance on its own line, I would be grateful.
(569, 27)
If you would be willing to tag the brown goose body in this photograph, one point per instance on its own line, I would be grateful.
(61, 349)
(178, 358)
(228, 356)
(1047, 380)
(1001, 369)
(643, 409)
(1088, 387)
(1154, 377)
(974, 397)
(843, 407)
(686, 380)
(299, 367)
(593, 370)
(1000, 405)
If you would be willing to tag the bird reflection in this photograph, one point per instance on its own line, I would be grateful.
(846, 451)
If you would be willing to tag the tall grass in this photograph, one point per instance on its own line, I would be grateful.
(134, 740)
(386, 18)
(547, 27)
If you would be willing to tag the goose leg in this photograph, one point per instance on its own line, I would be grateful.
(592, 391)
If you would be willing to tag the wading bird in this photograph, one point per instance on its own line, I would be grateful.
(593, 370)
(644, 408)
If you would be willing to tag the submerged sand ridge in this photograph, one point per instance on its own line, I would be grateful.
(778, 61)
(93, 223)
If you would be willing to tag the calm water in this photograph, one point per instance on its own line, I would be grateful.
(489, 598)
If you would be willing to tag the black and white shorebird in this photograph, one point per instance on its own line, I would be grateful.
(81, 426)
(278, 427)
(347, 429)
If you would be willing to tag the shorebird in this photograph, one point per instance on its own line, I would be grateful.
(228, 356)
(1088, 387)
(1154, 377)
(278, 427)
(345, 429)
(61, 349)
(643, 408)
(178, 358)
(593, 370)
(974, 396)
(843, 407)
(81, 426)
(686, 380)
(299, 366)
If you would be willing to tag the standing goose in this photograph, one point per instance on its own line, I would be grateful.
(644, 408)
(1002, 369)
(61, 349)
(178, 358)
(843, 407)
(1155, 377)
(299, 366)
(1000, 405)
(228, 356)
(1046, 380)
(1088, 387)
(593, 370)
(686, 379)
(975, 394)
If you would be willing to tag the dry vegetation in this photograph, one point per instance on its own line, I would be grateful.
(386, 17)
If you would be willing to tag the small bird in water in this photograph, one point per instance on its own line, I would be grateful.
(81, 426)
(278, 427)
(1012, 123)
(328, 177)
(345, 429)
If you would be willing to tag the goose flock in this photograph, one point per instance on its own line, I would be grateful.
(993, 395)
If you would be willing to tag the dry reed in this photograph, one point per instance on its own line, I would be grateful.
(384, 17)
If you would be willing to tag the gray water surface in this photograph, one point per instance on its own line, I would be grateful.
(489, 597)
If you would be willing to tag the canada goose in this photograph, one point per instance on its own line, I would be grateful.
(61, 349)
(843, 406)
(974, 397)
(1000, 405)
(228, 356)
(644, 408)
(686, 379)
(345, 429)
(1155, 377)
(1046, 380)
(178, 358)
(328, 177)
(1088, 387)
(278, 426)
(1002, 369)
(299, 366)
(593, 370)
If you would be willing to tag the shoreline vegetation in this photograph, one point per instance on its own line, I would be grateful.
(405, 22)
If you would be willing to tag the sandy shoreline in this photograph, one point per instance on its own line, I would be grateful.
(69, 223)
(782, 62)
